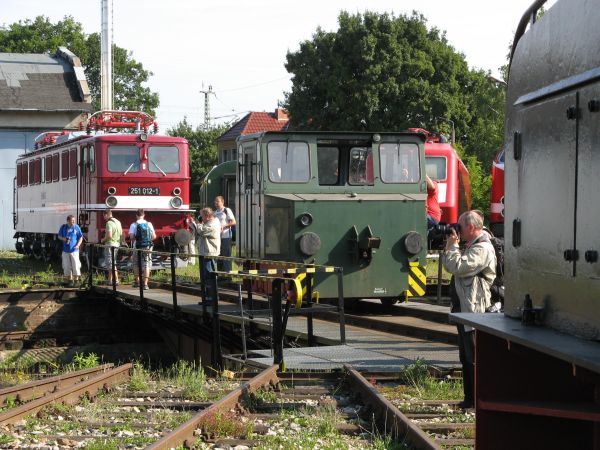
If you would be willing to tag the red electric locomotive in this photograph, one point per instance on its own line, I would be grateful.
(445, 166)
(497, 200)
(82, 173)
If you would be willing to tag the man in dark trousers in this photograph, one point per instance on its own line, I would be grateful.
(141, 234)
(474, 270)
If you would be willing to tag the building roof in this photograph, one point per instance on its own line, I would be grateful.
(43, 82)
(255, 122)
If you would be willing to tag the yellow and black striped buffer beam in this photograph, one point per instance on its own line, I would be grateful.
(417, 280)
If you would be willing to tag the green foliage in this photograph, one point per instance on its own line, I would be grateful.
(190, 378)
(394, 73)
(140, 377)
(202, 148)
(81, 361)
(6, 439)
(42, 36)
(415, 374)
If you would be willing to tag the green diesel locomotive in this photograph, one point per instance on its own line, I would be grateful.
(350, 199)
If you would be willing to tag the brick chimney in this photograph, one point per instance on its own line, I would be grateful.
(281, 114)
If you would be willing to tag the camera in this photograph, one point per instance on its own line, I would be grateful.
(437, 234)
(444, 229)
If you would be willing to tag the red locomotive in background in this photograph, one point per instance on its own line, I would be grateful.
(445, 166)
(83, 173)
(497, 200)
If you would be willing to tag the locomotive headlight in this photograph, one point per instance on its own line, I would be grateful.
(177, 191)
(176, 202)
(413, 242)
(305, 219)
(143, 137)
(111, 190)
(111, 201)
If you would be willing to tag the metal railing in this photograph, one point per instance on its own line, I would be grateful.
(280, 278)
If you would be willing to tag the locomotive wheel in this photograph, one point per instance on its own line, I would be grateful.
(46, 255)
(388, 302)
(37, 252)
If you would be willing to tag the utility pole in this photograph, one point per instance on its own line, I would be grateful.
(207, 106)
(106, 69)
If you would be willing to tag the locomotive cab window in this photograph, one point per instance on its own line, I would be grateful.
(288, 162)
(123, 158)
(399, 163)
(328, 162)
(360, 169)
(163, 159)
(435, 166)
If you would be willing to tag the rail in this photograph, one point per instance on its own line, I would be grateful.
(35, 389)
(384, 411)
(288, 282)
(69, 394)
(184, 434)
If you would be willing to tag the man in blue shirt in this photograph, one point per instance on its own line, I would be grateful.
(71, 235)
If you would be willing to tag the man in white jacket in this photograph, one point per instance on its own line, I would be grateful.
(208, 239)
(474, 270)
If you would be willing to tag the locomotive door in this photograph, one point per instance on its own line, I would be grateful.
(249, 201)
(588, 184)
(84, 188)
(544, 189)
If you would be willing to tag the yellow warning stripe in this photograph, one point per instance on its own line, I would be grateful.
(419, 274)
(416, 287)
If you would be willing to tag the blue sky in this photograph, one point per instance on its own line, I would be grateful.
(239, 46)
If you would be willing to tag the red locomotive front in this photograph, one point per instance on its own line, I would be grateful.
(84, 173)
(497, 200)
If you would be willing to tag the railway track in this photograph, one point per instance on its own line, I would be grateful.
(446, 425)
(266, 410)
(306, 406)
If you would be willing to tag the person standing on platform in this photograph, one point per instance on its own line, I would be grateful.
(72, 237)
(208, 239)
(112, 239)
(141, 234)
(473, 270)
(227, 220)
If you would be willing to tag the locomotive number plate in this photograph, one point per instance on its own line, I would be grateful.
(144, 191)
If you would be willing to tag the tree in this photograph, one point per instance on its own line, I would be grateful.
(42, 36)
(393, 73)
(202, 147)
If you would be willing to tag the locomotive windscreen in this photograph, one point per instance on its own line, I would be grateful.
(288, 162)
(163, 159)
(123, 158)
(399, 163)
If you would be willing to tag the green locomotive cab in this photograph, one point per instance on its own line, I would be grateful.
(350, 199)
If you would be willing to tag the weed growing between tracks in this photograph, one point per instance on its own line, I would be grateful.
(417, 383)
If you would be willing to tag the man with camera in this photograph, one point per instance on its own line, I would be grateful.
(474, 270)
